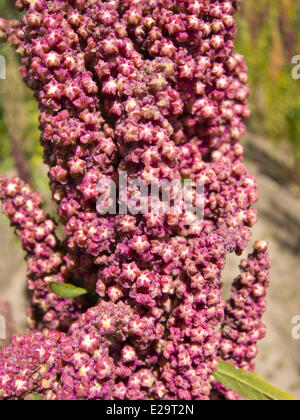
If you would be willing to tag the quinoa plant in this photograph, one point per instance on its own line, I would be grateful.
(130, 306)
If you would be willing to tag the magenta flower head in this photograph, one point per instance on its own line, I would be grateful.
(152, 89)
(243, 327)
(44, 255)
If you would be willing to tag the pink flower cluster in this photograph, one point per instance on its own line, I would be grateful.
(81, 364)
(242, 328)
(44, 255)
(155, 89)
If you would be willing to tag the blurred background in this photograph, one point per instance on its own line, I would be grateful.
(269, 38)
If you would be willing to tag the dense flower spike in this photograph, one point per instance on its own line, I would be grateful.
(243, 327)
(73, 366)
(153, 89)
(44, 254)
(11, 32)
(29, 364)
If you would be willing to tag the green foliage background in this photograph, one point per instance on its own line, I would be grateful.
(268, 37)
(19, 117)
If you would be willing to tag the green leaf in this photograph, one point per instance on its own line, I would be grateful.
(67, 291)
(183, 180)
(34, 397)
(249, 385)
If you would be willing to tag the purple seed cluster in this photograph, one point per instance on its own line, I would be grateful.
(242, 328)
(44, 255)
(156, 90)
